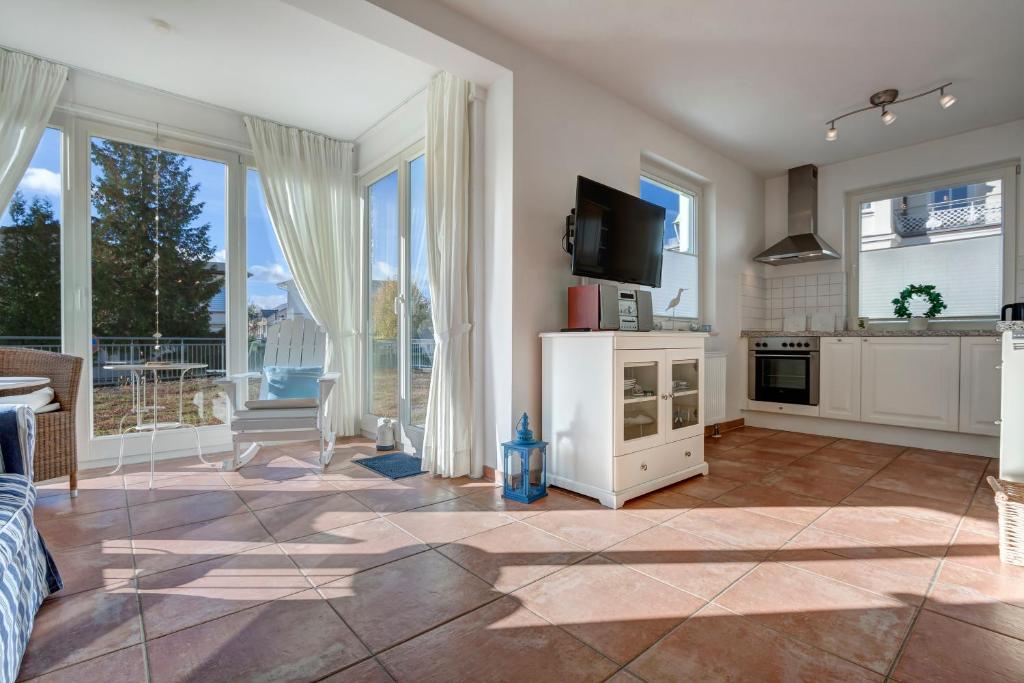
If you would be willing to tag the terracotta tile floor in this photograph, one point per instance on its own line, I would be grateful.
(798, 558)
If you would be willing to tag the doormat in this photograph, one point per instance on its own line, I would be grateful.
(393, 465)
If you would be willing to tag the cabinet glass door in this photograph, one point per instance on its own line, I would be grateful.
(640, 400)
(684, 390)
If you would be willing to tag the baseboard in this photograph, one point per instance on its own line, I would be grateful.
(724, 427)
(954, 442)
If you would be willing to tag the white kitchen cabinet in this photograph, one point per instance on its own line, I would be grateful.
(911, 382)
(840, 379)
(623, 412)
(980, 358)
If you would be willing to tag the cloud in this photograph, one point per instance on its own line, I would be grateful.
(272, 273)
(221, 256)
(41, 181)
(382, 270)
(268, 300)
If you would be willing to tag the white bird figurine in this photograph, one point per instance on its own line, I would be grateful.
(675, 303)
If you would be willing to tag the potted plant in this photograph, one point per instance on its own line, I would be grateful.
(926, 292)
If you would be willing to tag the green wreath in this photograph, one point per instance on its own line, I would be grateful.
(928, 292)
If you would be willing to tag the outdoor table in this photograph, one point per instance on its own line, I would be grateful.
(146, 406)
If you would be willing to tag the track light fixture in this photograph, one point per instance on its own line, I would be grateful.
(884, 99)
(946, 101)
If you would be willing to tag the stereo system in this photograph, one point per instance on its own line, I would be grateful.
(605, 307)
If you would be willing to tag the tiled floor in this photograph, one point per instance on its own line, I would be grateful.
(798, 558)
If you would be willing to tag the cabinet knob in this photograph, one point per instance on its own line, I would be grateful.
(666, 396)
(688, 454)
(643, 466)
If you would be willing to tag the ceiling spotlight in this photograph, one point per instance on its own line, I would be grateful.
(946, 101)
(883, 99)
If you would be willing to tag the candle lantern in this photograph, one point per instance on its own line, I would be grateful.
(525, 472)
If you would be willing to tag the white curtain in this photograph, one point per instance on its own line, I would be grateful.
(448, 436)
(29, 88)
(309, 185)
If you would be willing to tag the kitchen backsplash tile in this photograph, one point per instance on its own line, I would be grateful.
(768, 300)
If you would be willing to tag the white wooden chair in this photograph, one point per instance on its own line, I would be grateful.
(294, 343)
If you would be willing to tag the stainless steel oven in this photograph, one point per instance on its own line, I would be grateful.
(784, 370)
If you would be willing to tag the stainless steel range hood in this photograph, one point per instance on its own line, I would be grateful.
(802, 244)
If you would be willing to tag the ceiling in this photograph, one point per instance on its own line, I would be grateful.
(260, 57)
(758, 80)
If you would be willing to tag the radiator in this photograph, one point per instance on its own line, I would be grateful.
(714, 387)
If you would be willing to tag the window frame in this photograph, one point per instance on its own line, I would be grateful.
(695, 191)
(397, 163)
(1006, 171)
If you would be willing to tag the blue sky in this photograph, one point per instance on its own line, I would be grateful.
(662, 196)
(265, 261)
(384, 234)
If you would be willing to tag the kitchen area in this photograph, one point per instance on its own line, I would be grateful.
(894, 327)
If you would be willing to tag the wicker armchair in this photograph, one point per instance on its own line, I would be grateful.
(56, 448)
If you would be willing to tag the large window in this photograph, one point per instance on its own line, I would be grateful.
(30, 253)
(680, 273)
(271, 294)
(421, 325)
(401, 350)
(158, 224)
(383, 207)
(949, 234)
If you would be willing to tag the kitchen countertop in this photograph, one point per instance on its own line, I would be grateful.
(1004, 325)
(877, 333)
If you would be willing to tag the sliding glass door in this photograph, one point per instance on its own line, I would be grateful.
(400, 349)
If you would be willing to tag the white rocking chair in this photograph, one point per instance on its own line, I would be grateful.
(294, 343)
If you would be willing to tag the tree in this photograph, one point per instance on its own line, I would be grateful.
(30, 270)
(124, 200)
(385, 322)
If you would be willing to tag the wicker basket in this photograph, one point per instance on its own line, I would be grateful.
(1010, 501)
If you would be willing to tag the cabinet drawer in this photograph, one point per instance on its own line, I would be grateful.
(653, 463)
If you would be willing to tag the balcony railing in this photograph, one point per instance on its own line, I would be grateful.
(207, 350)
(115, 350)
(955, 214)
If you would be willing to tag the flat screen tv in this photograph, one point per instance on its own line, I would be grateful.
(618, 236)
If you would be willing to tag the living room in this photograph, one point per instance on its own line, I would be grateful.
(303, 266)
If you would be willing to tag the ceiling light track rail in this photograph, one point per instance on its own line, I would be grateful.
(883, 99)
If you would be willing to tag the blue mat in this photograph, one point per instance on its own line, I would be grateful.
(393, 465)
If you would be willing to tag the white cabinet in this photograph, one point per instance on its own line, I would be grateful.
(623, 411)
(839, 387)
(980, 358)
(911, 381)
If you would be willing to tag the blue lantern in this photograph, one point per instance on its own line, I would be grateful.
(526, 477)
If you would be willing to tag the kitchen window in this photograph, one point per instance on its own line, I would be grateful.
(680, 260)
(956, 233)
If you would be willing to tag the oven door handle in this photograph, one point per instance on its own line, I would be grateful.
(784, 355)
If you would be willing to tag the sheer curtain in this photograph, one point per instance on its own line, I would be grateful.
(309, 185)
(29, 88)
(448, 435)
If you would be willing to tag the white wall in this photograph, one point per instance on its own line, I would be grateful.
(398, 130)
(975, 148)
(563, 126)
(120, 102)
